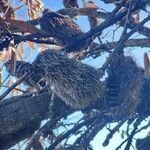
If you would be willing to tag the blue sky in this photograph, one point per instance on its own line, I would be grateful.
(136, 53)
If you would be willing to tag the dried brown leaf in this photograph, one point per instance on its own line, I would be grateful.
(13, 61)
(8, 83)
(86, 11)
(0, 77)
(6, 9)
(34, 6)
(5, 55)
(18, 8)
(2, 55)
(22, 26)
(90, 4)
(146, 64)
(94, 21)
(31, 45)
(43, 46)
(89, 8)
(4, 25)
(20, 51)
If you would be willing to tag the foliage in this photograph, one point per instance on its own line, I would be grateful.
(36, 117)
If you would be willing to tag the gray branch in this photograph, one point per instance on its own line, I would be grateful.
(21, 115)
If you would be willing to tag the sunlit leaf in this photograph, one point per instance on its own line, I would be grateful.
(31, 44)
(20, 51)
(43, 46)
(34, 6)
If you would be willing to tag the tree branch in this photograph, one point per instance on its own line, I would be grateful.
(19, 81)
(122, 41)
(20, 113)
(112, 132)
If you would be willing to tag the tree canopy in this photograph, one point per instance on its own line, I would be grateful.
(42, 89)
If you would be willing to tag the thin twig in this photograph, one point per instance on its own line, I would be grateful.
(112, 132)
(19, 81)
(121, 42)
(23, 91)
(92, 33)
(134, 131)
(43, 131)
(135, 125)
(71, 131)
(83, 136)
(5, 79)
(98, 126)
